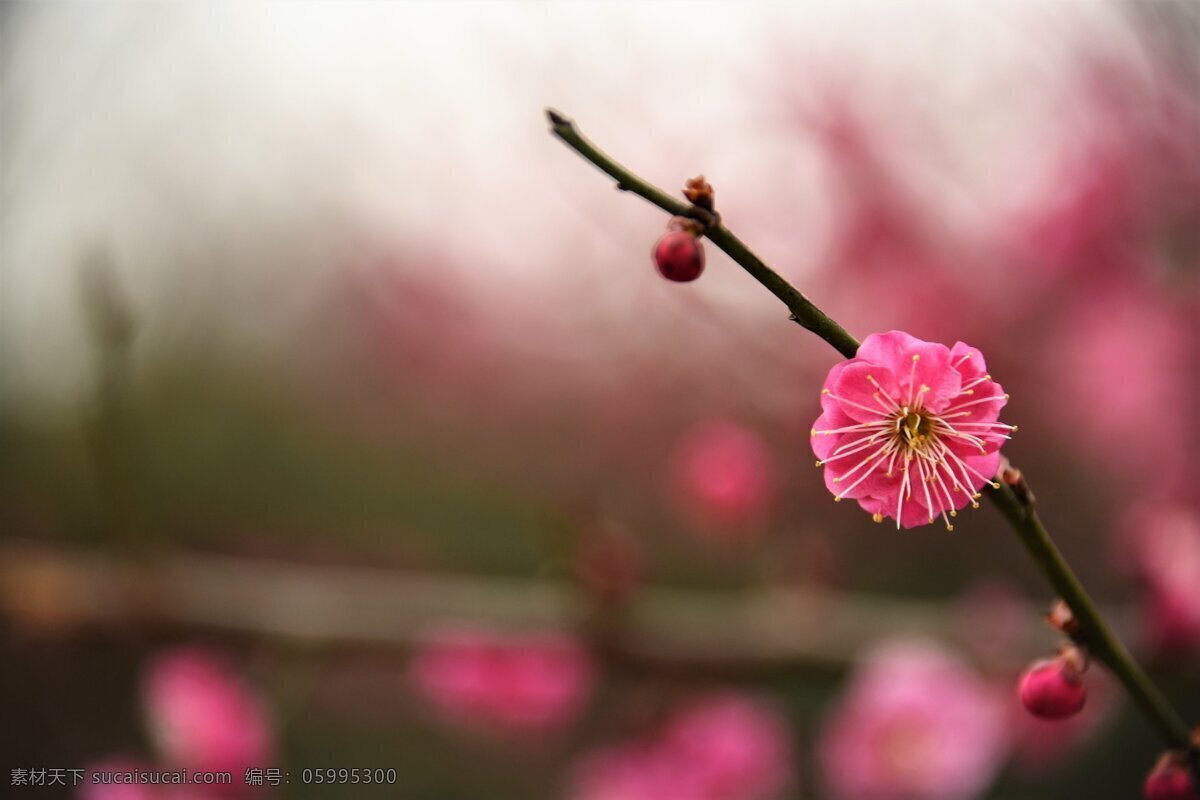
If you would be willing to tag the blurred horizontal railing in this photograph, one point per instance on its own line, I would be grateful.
(57, 590)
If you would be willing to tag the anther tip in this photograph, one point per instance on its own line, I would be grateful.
(877, 518)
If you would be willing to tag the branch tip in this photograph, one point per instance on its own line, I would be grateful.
(1012, 496)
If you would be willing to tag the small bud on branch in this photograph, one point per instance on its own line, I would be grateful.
(1012, 498)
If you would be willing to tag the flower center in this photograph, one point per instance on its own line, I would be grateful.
(913, 428)
(902, 438)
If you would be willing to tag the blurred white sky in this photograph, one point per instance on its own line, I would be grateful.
(229, 150)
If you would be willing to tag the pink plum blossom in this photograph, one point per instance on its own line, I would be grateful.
(203, 716)
(914, 724)
(723, 477)
(909, 428)
(722, 747)
(527, 682)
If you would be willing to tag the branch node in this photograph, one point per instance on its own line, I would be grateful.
(1016, 481)
(708, 219)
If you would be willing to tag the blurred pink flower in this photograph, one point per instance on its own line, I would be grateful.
(107, 780)
(884, 229)
(203, 716)
(93, 789)
(909, 428)
(914, 724)
(723, 747)
(636, 771)
(529, 682)
(1162, 543)
(1117, 330)
(1124, 193)
(723, 478)
(737, 747)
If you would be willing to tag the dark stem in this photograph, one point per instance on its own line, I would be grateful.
(1094, 631)
(803, 310)
(1101, 643)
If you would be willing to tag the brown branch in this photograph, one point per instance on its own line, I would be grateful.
(61, 590)
(1094, 631)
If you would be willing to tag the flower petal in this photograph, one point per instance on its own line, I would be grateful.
(896, 350)
(854, 392)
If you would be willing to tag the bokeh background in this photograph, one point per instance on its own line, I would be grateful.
(345, 422)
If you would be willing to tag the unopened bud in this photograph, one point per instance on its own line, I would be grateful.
(1170, 780)
(1053, 689)
(679, 256)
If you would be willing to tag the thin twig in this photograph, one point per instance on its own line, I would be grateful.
(1094, 631)
(803, 310)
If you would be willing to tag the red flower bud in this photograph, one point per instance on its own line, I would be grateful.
(1170, 780)
(679, 256)
(1053, 689)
